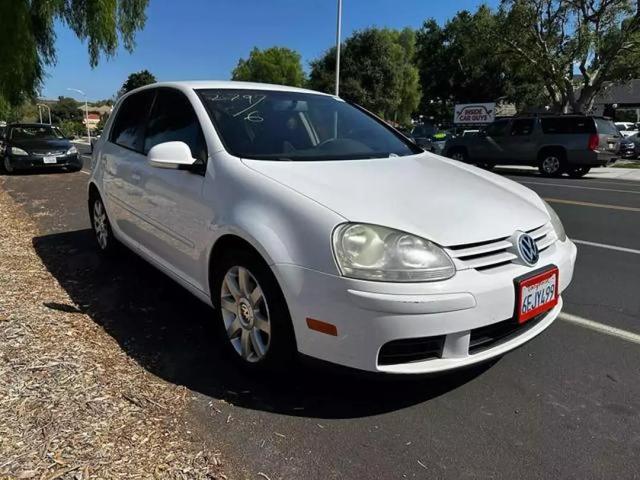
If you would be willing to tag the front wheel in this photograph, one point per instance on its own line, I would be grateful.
(251, 312)
(8, 168)
(459, 155)
(578, 172)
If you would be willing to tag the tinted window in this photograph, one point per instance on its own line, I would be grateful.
(606, 127)
(128, 127)
(173, 120)
(564, 125)
(281, 125)
(497, 128)
(522, 127)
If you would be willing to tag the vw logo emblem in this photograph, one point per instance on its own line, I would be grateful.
(527, 249)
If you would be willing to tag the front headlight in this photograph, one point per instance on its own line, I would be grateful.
(556, 222)
(371, 252)
(18, 151)
(72, 150)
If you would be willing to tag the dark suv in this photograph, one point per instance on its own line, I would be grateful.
(571, 144)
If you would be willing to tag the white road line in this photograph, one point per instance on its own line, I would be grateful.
(600, 327)
(582, 187)
(85, 172)
(589, 204)
(604, 245)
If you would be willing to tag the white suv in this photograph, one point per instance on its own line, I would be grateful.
(311, 226)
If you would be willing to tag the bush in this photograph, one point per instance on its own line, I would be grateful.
(70, 128)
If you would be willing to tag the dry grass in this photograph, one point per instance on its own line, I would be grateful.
(73, 405)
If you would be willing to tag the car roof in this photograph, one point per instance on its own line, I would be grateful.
(226, 84)
(29, 125)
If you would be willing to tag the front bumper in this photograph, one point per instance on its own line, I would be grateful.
(369, 315)
(26, 162)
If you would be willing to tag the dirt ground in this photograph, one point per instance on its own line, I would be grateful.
(73, 404)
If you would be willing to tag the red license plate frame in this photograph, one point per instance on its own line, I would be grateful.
(532, 279)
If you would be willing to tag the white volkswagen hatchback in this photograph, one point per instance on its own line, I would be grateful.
(311, 226)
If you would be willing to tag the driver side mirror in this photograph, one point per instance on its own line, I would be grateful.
(174, 155)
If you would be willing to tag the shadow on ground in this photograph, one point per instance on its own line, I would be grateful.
(170, 333)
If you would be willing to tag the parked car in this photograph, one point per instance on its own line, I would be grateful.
(571, 144)
(635, 139)
(430, 138)
(35, 145)
(311, 226)
(627, 128)
(628, 148)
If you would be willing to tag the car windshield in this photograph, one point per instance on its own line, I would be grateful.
(281, 125)
(35, 132)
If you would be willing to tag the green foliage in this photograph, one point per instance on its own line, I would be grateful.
(137, 80)
(66, 109)
(376, 71)
(277, 65)
(28, 36)
(71, 128)
(550, 39)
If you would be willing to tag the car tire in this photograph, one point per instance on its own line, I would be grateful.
(101, 226)
(551, 163)
(251, 312)
(74, 168)
(458, 154)
(7, 167)
(578, 171)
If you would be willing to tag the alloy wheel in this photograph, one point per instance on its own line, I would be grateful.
(246, 314)
(100, 224)
(459, 156)
(551, 164)
(7, 165)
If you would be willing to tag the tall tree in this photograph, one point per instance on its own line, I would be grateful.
(137, 80)
(66, 109)
(556, 39)
(28, 36)
(376, 71)
(278, 65)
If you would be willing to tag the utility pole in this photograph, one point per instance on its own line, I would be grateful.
(86, 111)
(338, 31)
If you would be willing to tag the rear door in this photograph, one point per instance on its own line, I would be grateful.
(123, 159)
(609, 136)
(520, 145)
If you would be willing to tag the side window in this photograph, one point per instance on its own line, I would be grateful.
(564, 125)
(128, 127)
(173, 120)
(522, 127)
(497, 128)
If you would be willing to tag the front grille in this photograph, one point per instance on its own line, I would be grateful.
(41, 153)
(495, 253)
(411, 350)
(489, 336)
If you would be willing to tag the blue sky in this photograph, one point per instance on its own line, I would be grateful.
(203, 39)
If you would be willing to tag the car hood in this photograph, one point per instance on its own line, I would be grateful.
(41, 145)
(448, 202)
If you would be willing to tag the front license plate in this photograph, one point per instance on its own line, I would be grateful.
(536, 294)
(49, 159)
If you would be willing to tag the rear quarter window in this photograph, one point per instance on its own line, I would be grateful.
(606, 127)
(566, 125)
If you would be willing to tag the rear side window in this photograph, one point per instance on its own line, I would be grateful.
(174, 120)
(522, 127)
(498, 128)
(564, 125)
(606, 127)
(128, 127)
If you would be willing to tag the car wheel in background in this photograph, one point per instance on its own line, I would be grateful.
(251, 312)
(551, 163)
(486, 166)
(458, 154)
(6, 165)
(578, 171)
(101, 226)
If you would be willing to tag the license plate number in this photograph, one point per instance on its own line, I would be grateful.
(49, 159)
(536, 294)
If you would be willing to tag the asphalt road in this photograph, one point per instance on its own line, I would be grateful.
(566, 405)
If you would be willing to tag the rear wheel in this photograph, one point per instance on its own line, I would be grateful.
(459, 154)
(107, 243)
(551, 163)
(578, 171)
(251, 312)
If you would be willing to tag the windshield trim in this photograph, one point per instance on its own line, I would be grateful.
(200, 92)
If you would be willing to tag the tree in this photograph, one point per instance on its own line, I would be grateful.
(553, 38)
(376, 71)
(66, 109)
(28, 36)
(137, 80)
(277, 65)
